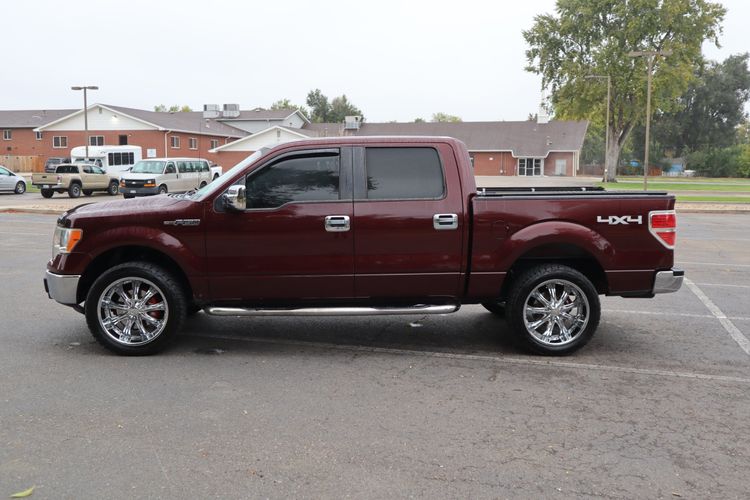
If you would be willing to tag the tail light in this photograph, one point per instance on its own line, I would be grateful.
(663, 225)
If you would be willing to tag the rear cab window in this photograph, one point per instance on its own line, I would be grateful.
(403, 173)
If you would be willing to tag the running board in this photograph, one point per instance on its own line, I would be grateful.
(334, 311)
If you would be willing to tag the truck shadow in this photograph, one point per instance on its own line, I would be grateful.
(465, 332)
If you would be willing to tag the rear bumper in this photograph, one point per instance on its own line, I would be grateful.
(62, 287)
(668, 281)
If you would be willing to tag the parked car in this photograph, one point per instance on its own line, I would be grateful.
(53, 161)
(165, 175)
(75, 178)
(362, 225)
(9, 181)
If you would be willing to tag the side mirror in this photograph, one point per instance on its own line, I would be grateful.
(234, 198)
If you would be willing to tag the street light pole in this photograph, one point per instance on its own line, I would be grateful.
(86, 112)
(650, 55)
(606, 126)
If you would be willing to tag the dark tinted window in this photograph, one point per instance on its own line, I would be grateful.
(302, 178)
(403, 173)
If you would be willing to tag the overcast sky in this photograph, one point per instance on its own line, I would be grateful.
(395, 60)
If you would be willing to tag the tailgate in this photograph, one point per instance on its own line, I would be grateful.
(44, 179)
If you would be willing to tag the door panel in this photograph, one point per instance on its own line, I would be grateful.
(284, 253)
(397, 247)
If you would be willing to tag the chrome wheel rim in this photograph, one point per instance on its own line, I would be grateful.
(556, 312)
(20, 188)
(133, 311)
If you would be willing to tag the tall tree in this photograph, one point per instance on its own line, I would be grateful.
(594, 37)
(710, 110)
(445, 117)
(341, 108)
(172, 109)
(287, 104)
(319, 106)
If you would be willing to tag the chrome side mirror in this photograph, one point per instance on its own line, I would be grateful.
(234, 198)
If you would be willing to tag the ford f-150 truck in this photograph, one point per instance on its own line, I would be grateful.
(361, 225)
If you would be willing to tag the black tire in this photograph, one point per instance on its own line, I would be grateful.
(216, 176)
(87, 192)
(113, 188)
(163, 189)
(582, 319)
(20, 188)
(74, 190)
(47, 193)
(203, 184)
(169, 291)
(495, 307)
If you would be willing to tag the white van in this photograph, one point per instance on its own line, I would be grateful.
(165, 175)
(113, 159)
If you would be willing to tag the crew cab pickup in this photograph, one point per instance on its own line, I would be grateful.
(75, 178)
(355, 226)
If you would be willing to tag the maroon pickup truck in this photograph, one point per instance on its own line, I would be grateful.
(355, 226)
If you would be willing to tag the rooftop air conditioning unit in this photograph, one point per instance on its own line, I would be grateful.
(352, 122)
(231, 111)
(211, 111)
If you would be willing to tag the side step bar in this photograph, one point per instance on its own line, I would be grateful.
(334, 311)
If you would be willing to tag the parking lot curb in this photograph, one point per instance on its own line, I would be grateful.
(24, 210)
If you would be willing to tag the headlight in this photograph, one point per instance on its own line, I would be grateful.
(64, 240)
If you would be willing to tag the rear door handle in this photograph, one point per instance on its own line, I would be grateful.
(443, 222)
(337, 223)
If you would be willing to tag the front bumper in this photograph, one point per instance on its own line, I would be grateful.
(668, 281)
(139, 191)
(62, 287)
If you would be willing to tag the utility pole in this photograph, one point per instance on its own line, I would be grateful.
(86, 112)
(650, 55)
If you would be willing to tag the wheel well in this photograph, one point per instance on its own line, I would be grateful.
(565, 254)
(121, 255)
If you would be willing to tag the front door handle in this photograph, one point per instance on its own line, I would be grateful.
(442, 222)
(337, 223)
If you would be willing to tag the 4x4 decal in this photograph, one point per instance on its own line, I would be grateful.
(614, 220)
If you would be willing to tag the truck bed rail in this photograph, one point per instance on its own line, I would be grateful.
(502, 192)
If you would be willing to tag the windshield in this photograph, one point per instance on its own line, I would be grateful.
(148, 167)
(217, 184)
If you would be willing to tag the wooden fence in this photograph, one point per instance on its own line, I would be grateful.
(23, 163)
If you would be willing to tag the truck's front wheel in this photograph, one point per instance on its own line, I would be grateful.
(135, 308)
(553, 309)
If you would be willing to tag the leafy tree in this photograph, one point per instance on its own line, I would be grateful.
(419, 120)
(319, 106)
(710, 110)
(172, 109)
(594, 37)
(334, 111)
(287, 104)
(445, 117)
(341, 108)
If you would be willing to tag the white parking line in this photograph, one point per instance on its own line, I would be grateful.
(720, 264)
(732, 330)
(478, 357)
(669, 313)
(723, 284)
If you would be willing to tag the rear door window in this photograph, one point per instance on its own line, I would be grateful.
(407, 173)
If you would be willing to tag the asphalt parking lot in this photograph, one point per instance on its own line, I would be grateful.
(656, 406)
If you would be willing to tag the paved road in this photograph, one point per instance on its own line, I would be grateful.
(655, 406)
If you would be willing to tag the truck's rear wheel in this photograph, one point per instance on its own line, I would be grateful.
(553, 309)
(47, 193)
(74, 190)
(135, 308)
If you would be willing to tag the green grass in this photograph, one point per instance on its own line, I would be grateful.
(679, 186)
(715, 199)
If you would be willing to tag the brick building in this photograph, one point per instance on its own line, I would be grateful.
(531, 148)
(40, 134)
